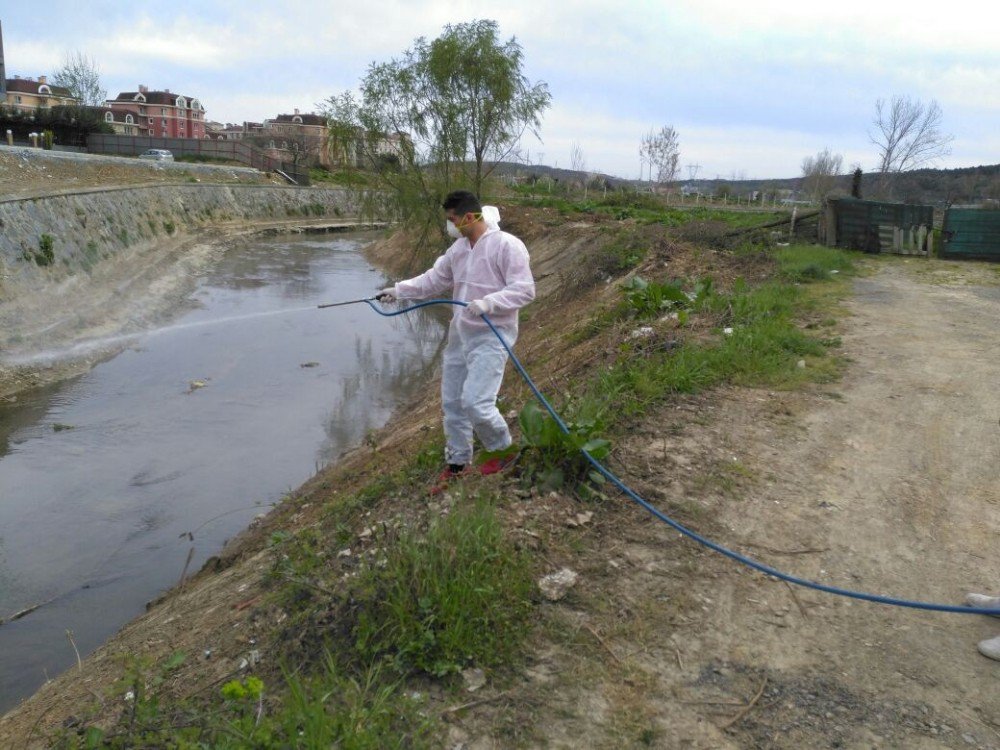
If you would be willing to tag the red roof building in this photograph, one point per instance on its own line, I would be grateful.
(160, 114)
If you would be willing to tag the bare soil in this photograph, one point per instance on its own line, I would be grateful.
(22, 177)
(885, 481)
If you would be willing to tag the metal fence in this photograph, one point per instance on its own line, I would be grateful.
(971, 233)
(876, 227)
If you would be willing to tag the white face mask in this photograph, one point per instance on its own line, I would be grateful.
(452, 230)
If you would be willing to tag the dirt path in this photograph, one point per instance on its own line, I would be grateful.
(887, 481)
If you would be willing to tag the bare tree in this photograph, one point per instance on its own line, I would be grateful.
(578, 164)
(908, 135)
(82, 77)
(576, 160)
(820, 173)
(644, 159)
(661, 150)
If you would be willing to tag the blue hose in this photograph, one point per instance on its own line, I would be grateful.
(749, 562)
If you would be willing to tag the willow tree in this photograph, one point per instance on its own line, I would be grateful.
(445, 112)
(483, 94)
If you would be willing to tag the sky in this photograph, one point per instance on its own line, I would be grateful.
(751, 87)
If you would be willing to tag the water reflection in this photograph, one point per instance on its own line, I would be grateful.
(197, 428)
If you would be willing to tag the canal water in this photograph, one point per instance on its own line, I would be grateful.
(194, 427)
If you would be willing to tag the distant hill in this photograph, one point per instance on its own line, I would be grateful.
(937, 187)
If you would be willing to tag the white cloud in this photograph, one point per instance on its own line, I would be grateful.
(30, 59)
(750, 86)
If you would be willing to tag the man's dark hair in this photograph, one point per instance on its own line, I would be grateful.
(462, 202)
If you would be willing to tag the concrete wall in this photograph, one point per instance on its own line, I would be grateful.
(45, 240)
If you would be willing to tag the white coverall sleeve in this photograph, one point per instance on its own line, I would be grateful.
(519, 285)
(435, 280)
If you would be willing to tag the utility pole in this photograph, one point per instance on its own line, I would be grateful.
(693, 171)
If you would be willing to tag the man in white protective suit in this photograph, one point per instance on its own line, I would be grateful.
(488, 269)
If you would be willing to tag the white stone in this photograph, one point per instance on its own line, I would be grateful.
(554, 586)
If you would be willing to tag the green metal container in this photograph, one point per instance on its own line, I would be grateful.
(971, 233)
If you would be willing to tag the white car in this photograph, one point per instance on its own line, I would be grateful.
(157, 154)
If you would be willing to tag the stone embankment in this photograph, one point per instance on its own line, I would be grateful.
(101, 262)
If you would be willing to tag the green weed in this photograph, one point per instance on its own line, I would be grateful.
(455, 596)
(646, 299)
(551, 458)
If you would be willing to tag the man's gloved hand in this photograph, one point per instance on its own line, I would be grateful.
(479, 307)
(387, 295)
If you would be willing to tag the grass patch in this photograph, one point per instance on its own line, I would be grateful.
(646, 209)
(325, 709)
(764, 347)
(455, 596)
(805, 263)
(346, 177)
(205, 159)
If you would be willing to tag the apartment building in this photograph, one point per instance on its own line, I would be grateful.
(160, 114)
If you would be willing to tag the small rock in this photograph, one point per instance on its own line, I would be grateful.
(641, 333)
(474, 679)
(195, 385)
(344, 552)
(554, 586)
(309, 364)
(801, 364)
(580, 519)
(969, 739)
(727, 331)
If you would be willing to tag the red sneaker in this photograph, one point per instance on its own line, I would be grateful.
(444, 479)
(497, 464)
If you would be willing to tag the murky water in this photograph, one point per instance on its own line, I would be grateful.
(196, 427)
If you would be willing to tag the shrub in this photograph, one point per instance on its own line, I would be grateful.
(45, 255)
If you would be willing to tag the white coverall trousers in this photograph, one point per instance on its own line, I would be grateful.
(473, 366)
